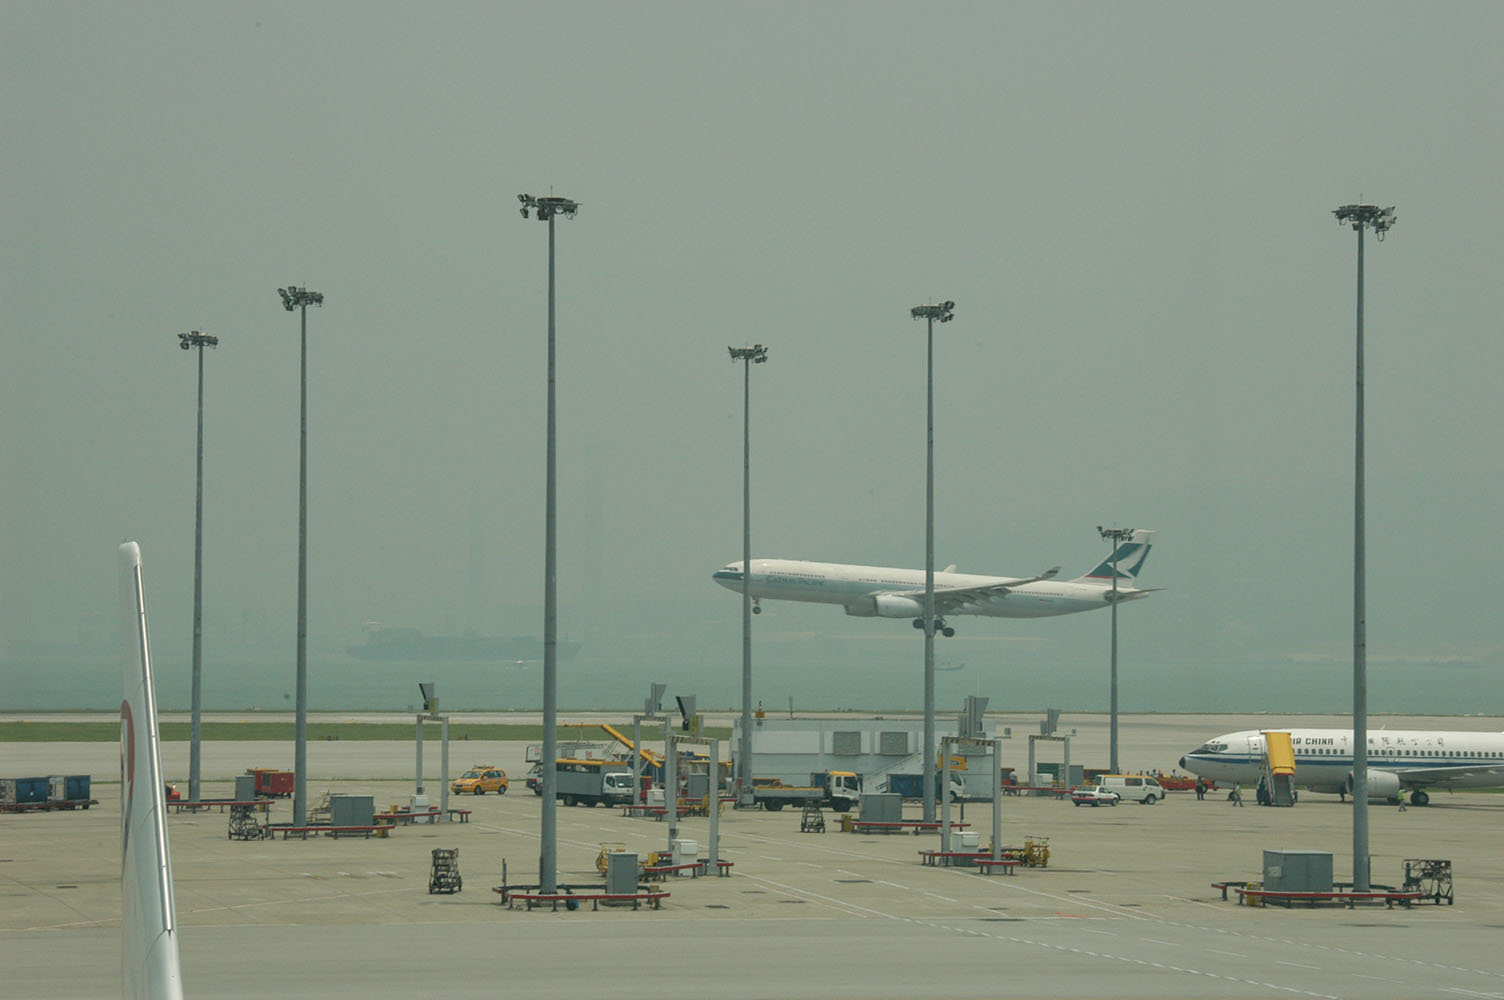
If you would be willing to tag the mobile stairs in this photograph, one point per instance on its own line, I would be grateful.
(1278, 783)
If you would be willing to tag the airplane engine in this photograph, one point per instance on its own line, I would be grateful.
(886, 606)
(1383, 786)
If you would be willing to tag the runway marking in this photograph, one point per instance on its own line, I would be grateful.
(852, 908)
(1297, 965)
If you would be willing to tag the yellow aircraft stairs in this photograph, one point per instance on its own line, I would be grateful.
(1278, 783)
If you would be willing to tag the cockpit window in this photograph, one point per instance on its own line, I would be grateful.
(1214, 747)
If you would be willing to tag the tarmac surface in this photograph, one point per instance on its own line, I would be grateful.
(1124, 909)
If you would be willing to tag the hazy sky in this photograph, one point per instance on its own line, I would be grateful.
(1130, 204)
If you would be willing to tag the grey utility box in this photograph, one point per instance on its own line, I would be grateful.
(352, 810)
(1298, 871)
(621, 873)
(882, 807)
(245, 788)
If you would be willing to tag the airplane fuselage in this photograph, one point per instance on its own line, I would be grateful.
(890, 592)
(1324, 758)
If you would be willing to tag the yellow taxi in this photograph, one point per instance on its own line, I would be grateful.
(479, 780)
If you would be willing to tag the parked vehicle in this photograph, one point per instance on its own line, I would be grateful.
(1134, 787)
(840, 790)
(1094, 795)
(911, 786)
(479, 780)
(592, 782)
(534, 780)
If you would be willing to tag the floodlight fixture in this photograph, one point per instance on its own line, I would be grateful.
(548, 207)
(1370, 216)
(188, 341)
(757, 354)
(294, 296)
(942, 312)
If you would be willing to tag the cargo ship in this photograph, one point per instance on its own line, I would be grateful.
(402, 644)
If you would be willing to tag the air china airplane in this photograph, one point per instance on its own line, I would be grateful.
(882, 592)
(150, 967)
(1397, 759)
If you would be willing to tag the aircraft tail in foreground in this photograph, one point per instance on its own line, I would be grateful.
(148, 922)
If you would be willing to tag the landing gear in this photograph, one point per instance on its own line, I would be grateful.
(1419, 798)
(756, 608)
(940, 626)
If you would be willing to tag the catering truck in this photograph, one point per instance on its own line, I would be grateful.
(592, 782)
(840, 790)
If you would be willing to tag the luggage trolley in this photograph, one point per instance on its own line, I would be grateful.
(445, 876)
(1431, 877)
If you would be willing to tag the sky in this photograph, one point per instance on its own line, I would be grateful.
(1130, 204)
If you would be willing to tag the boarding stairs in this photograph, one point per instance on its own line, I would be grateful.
(1278, 762)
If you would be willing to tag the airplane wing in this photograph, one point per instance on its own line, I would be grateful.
(955, 600)
(1420, 777)
(148, 925)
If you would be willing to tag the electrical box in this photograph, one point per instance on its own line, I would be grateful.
(882, 807)
(245, 787)
(621, 873)
(1298, 871)
(352, 810)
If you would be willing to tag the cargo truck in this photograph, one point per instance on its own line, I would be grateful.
(911, 786)
(592, 782)
(840, 790)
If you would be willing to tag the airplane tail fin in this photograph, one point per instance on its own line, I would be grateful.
(1130, 556)
(148, 920)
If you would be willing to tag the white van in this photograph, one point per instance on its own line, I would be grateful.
(1134, 787)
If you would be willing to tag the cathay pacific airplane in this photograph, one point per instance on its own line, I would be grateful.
(882, 592)
(1397, 759)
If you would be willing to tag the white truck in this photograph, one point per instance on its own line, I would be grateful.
(838, 790)
(593, 782)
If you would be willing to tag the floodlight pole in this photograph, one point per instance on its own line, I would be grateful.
(1361, 217)
(756, 354)
(546, 208)
(295, 297)
(930, 313)
(189, 341)
(1116, 536)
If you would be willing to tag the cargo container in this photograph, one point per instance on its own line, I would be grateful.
(32, 790)
(272, 782)
(68, 787)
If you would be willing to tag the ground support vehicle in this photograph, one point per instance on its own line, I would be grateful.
(1134, 787)
(592, 782)
(911, 786)
(479, 780)
(839, 790)
(1094, 795)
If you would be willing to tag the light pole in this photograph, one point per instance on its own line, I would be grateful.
(749, 356)
(930, 313)
(295, 297)
(1361, 217)
(188, 341)
(1116, 536)
(546, 209)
